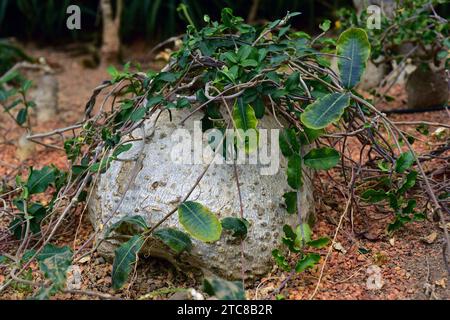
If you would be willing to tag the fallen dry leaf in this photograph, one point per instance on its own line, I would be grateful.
(392, 241)
(441, 283)
(430, 238)
(338, 247)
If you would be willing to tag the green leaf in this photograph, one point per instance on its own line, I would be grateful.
(374, 196)
(39, 180)
(231, 57)
(224, 290)
(404, 162)
(288, 142)
(199, 221)
(280, 260)
(303, 231)
(289, 238)
(245, 119)
(167, 77)
(177, 240)
(294, 172)
(137, 221)
(244, 116)
(290, 199)
(325, 111)
(113, 72)
(54, 263)
(322, 158)
(154, 101)
(22, 116)
(138, 114)
(319, 243)
(244, 51)
(121, 149)
(409, 182)
(124, 259)
(237, 226)
(354, 48)
(310, 135)
(308, 261)
(249, 63)
(325, 26)
(26, 85)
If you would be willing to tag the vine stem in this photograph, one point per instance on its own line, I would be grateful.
(422, 172)
(330, 249)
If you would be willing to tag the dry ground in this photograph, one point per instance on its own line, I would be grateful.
(408, 264)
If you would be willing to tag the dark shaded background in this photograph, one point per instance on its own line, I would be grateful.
(45, 20)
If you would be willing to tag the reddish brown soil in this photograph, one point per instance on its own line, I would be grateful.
(407, 263)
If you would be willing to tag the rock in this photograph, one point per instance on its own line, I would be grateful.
(387, 6)
(375, 279)
(161, 184)
(44, 92)
(73, 281)
(25, 148)
(373, 75)
(427, 89)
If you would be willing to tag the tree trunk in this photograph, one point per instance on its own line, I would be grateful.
(111, 26)
(253, 12)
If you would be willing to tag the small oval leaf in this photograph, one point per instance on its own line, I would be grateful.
(288, 142)
(325, 111)
(322, 158)
(237, 226)
(199, 221)
(294, 171)
(127, 221)
(308, 261)
(354, 47)
(125, 257)
(177, 240)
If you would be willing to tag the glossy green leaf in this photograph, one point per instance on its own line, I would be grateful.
(39, 180)
(289, 239)
(177, 240)
(280, 260)
(308, 261)
(319, 243)
(325, 111)
(288, 142)
(245, 119)
(124, 259)
(303, 231)
(199, 221)
(354, 48)
(404, 162)
(290, 199)
(374, 196)
(294, 172)
(244, 116)
(322, 158)
(237, 226)
(126, 221)
(22, 116)
(409, 182)
(224, 290)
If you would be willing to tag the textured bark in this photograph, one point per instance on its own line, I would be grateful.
(111, 30)
(253, 11)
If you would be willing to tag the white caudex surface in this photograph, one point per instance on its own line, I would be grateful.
(161, 184)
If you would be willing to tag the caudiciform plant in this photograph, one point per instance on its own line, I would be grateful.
(415, 34)
(254, 71)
